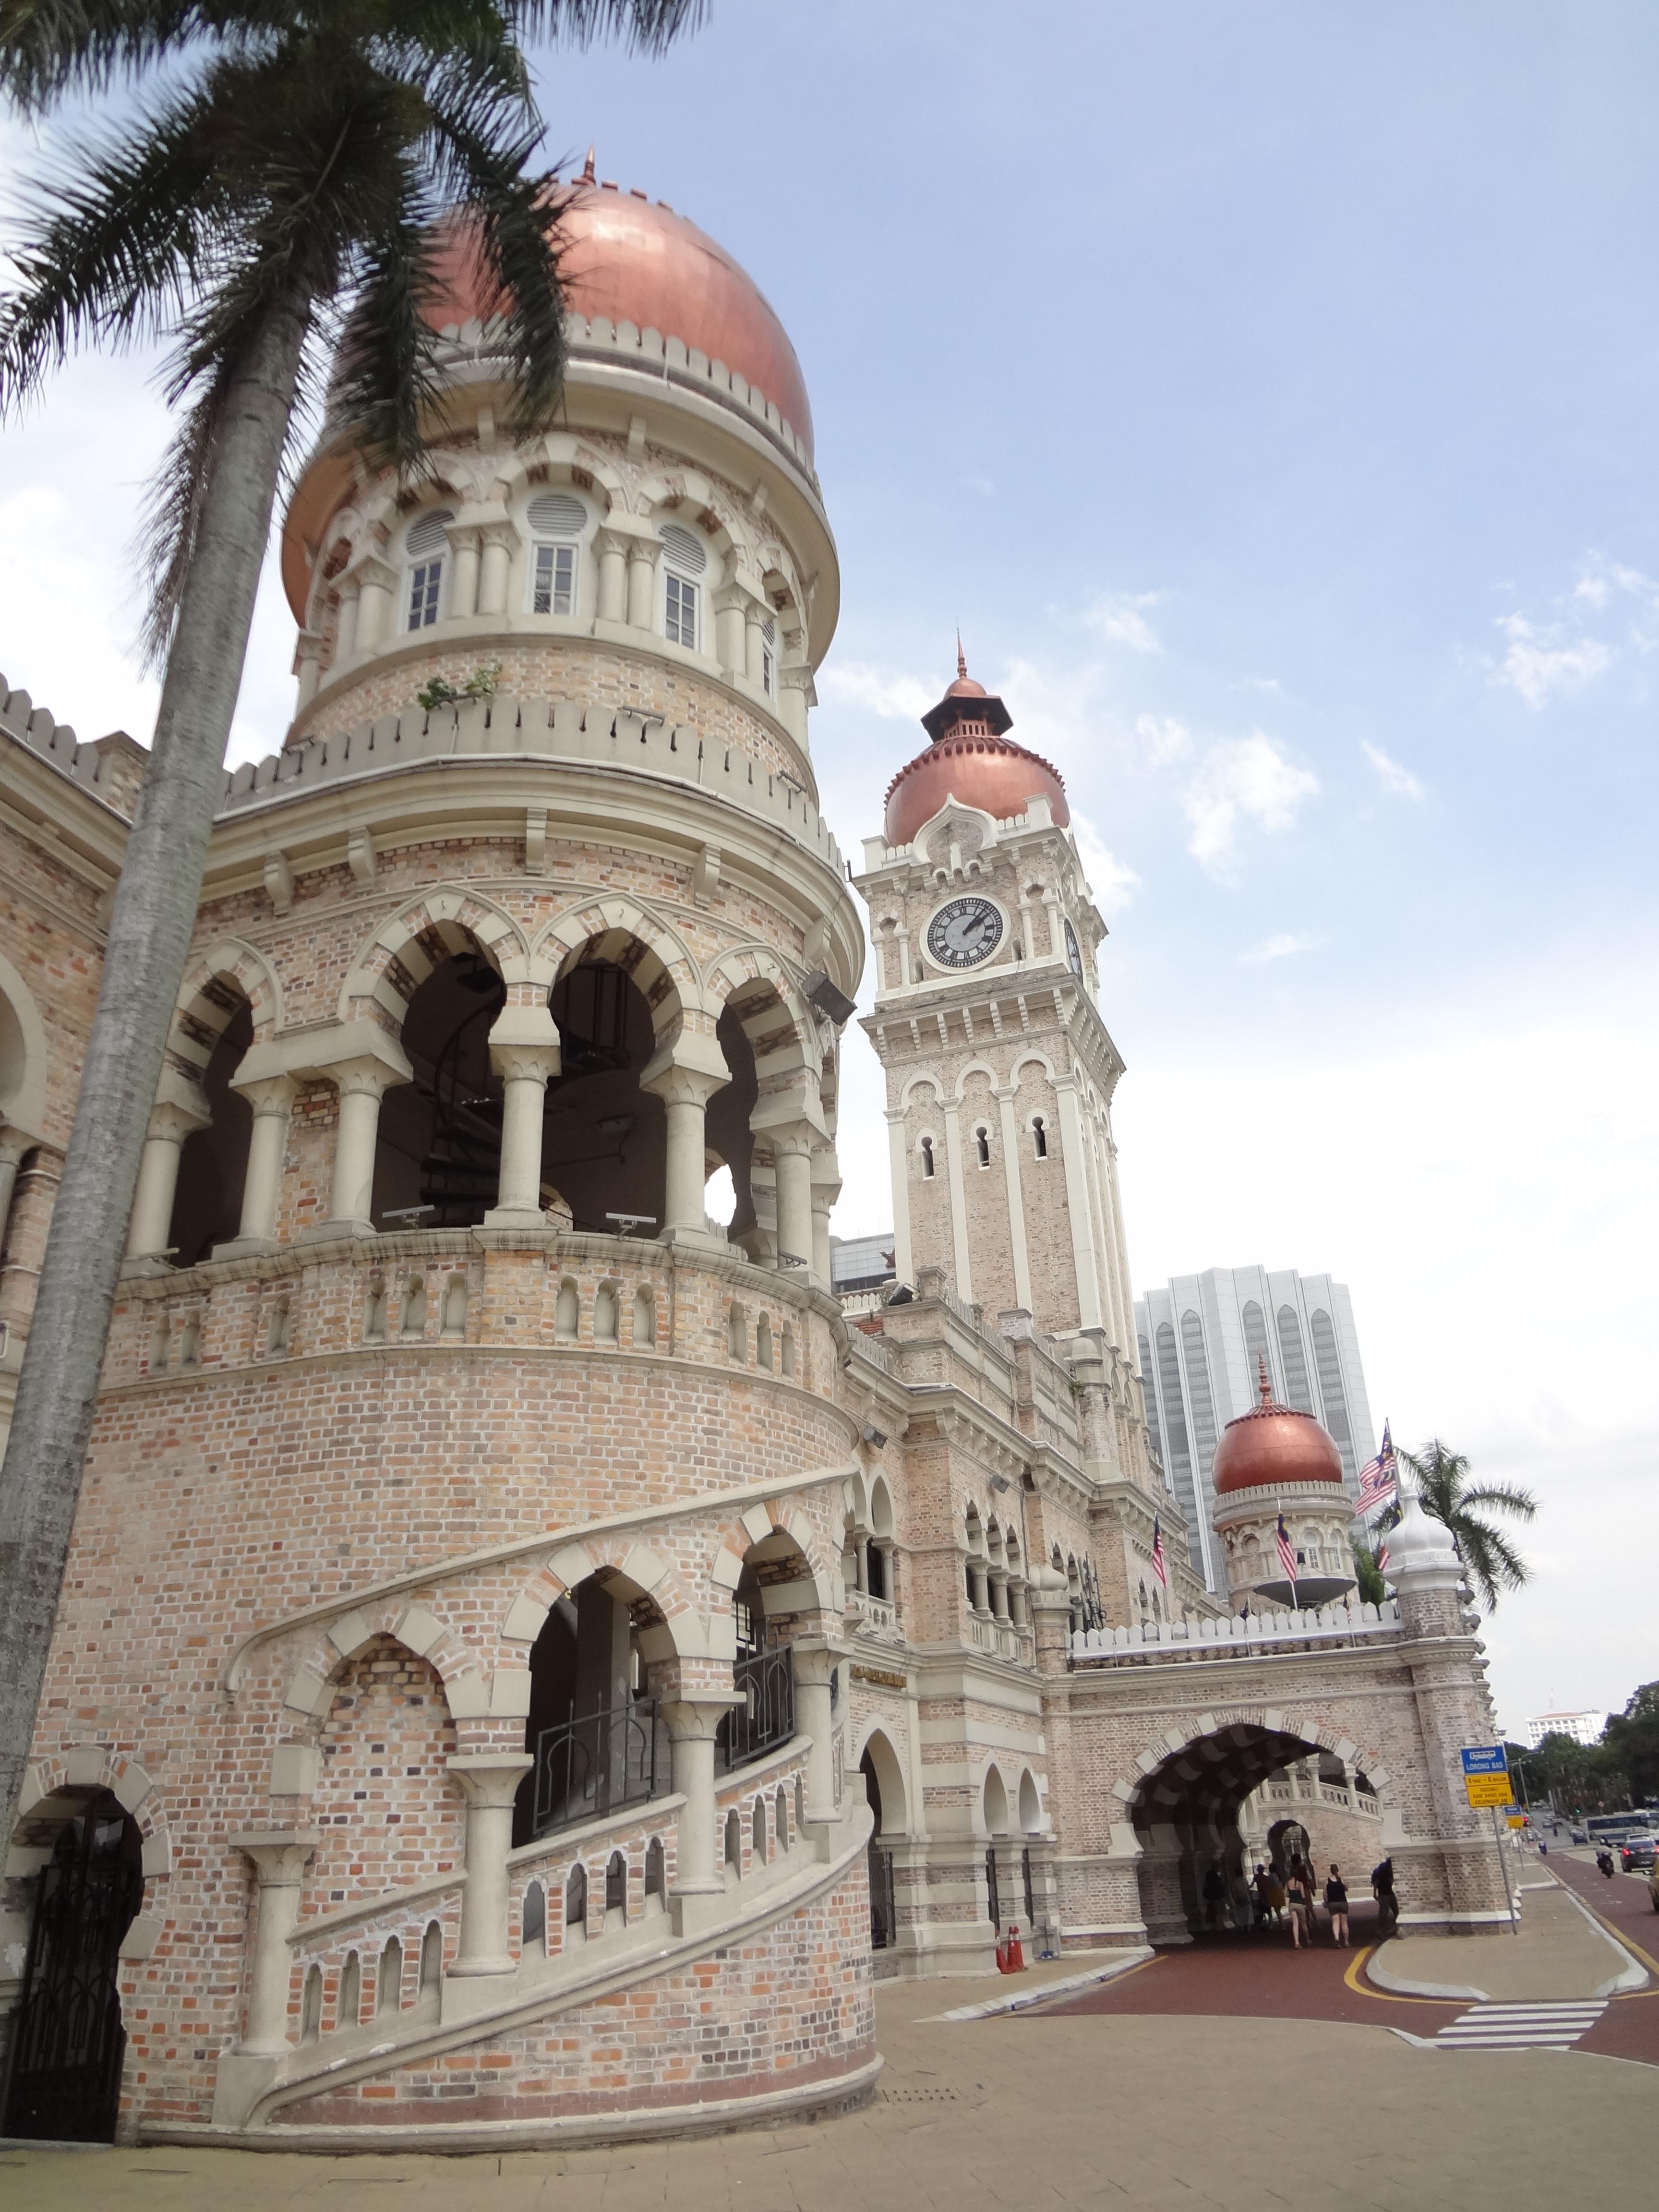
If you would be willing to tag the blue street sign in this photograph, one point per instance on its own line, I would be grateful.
(1485, 1759)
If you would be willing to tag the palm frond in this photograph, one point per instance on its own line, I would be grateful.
(1502, 1495)
(51, 48)
(387, 380)
(644, 27)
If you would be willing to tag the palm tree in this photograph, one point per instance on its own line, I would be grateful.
(281, 193)
(1447, 1492)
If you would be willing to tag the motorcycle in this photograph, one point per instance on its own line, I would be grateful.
(1604, 1862)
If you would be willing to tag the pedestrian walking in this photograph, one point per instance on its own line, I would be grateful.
(1215, 1894)
(1388, 1905)
(1298, 1898)
(1336, 1903)
(1276, 1897)
(1263, 1886)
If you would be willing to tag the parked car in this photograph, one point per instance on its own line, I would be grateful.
(1578, 1835)
(1639, 1853)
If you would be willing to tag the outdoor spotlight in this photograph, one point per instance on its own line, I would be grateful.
(1001, 1482)
(827, 998)
(873, 1434)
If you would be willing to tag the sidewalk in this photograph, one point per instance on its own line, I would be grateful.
(1026, 2113)
(1560, 1952)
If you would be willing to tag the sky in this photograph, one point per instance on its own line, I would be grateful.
(1267, 390)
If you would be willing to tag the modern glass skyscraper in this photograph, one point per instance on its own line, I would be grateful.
(1201, 1338)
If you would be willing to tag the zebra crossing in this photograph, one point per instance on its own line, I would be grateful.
(1541, 2026)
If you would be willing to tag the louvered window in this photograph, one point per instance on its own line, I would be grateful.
(1330, 1388)
(426, 545)
(557, 516)
(1295, 1357)
(1256, 1341)
(1198, 1390)
(686, 561)
(768, 656)
(1175, 1418)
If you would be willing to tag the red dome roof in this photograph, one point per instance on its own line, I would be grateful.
(638, 262)
(1272, 1444)
(970, 759)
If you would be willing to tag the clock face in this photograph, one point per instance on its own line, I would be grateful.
(964, 931)
(1073, 951)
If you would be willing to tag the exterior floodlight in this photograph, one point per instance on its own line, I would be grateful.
(827, 998)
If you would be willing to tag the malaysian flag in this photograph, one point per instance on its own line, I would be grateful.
(1378, 1482)
(1160, 1565)
(1381, 1555)
(1287, 1553)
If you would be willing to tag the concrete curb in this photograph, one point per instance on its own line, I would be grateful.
(1404, 1986)
(1632, 1975)
(1022, 2000)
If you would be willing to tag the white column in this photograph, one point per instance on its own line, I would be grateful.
(826, 1189)
(13, 1145)
(728, 630)
(464, 573)
(345, 628)
(795, 696)
(490, 1780)
(965, 1271)
(1005, 1099)
(754, 645)
(360, 1084)
(613, 576)
(641, 585)
(1117, 1246)
(158, 1178)
(792, 1149)
(494, 566)
(898, 1161)
(307, 647)
(692, 1723)
(814, 1667)
(279, 1856)
(1077, 1206)
(375, 585)
(524, 1070)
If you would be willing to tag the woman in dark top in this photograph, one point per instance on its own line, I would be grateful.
(1336, 1903)
(1298, 1896)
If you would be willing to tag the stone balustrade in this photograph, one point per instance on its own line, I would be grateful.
(1235, 1636)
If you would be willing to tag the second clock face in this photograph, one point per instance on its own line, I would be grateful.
(964, 931)
(1073, 950)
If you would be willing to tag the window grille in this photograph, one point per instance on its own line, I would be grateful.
(686, 551)
(556, 514)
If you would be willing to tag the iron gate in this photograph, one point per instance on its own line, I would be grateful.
(65, 2078)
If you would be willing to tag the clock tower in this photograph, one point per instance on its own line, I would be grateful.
(1000, 1068)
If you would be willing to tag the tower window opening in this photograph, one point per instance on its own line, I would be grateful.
(553, 591)
(426, 544)
(769, 656)
(983, 1143)
(681, 615)
(1039, 1137)
(927, 1158)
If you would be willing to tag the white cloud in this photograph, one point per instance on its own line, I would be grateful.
(1164, 738)
(1390, 773)
(1118, 618)
(855, 683)
(1281, 947)
(68, 637)
(1262, 684)
(1112, 884)
(1541, 661)
(1250, 779)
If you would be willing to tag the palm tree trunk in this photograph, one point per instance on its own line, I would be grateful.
(150, 929)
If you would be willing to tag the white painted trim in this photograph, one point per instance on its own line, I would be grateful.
(958, 1206)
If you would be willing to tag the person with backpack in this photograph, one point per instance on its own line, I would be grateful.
(1388, 1905)
(1336, 1903)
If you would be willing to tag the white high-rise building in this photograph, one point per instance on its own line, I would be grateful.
(1200, 1339)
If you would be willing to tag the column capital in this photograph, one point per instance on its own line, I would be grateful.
(490, 1779)
(279, 1855)
(172, 1119)
(363, 1079)
(524, 1063)
(268, 1094)
(697, 1718)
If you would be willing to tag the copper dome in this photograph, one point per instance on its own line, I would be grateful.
(636, 261)
(970, 759)
(1272, 1444)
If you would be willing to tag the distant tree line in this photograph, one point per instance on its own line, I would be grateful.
(1621, 1770)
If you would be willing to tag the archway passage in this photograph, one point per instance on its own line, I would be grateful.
(883, 1790)
(439, 1147)
(213, 1163)
(603, 1143)
(65, 2078)
(1186, 1815)
(594, 1730)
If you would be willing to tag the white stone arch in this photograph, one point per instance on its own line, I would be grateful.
(561, 458)
(1031, 1057)
(975, 1067)
(992, 1803)
(217, 979)
(668, 494)
(767, 1002)
(881, 1504)
(821, 1587)
(23, 1056)
(636, 1572)
(414, 940)
(309, 1696)
(1180, 1752)
(932, 1084)
(631, 936)
(874, 1742)
(1028, 1805)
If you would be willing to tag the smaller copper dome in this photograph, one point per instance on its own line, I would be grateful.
(972, 760)
(1272, 1444)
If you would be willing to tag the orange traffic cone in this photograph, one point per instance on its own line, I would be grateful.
(1016, 1955)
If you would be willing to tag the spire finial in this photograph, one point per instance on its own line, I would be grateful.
(1265, 1386)
(587, 176)
(962, 658)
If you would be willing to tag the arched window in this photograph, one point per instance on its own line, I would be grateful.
(432, 1961)
(1293, 1354)
(684, 562)
(927, 1149)
(413, 1321)
(616, 1884)
(277, 1335)
(768, 630)
(645, 1319)
(605, 1314)
(576, 1904)
(734, 1841)
(656, 1872)
(190, 1344)
(786, 1350)
(426, 545)
(454, 1324)
(763, 1343)
(389, 1981)
(1039, 1137)
(757, 1832)
(1255, 1339)
(348, 2008)
(982, 1146)
(311, 2006)
(557, 521)
(567, 1311)
(780, 1818)
(800, 1804)
(533, 1936)
(375, 1311)
(735, 1332)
